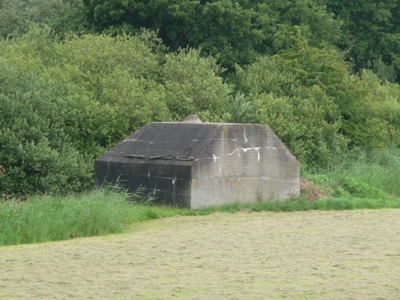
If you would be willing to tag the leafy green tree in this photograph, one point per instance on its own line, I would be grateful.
(291, 91)
(35, 149)
(13, 17)
(279, 20)
(220, 28)
(371, 111)
(312, 101)
(235, 31)
(298, 65)
(304, 117)
(193, 84)
(63, 16)
(370, 31)
(63, 103)
(307, 123)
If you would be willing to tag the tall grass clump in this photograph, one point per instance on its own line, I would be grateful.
(379, 169)
(44, 219)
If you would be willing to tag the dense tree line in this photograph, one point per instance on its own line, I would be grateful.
(77, 77)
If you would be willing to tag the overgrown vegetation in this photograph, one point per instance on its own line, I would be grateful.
(77, 77)
(98, 213)
(43, 219)
(352, 185)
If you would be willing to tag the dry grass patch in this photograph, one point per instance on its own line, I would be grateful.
(313, 191)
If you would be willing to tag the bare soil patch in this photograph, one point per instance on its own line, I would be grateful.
(302, 255)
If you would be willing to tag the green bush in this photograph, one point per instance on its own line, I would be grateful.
(36, 145)
(290, 93)
(64, 103)
(360, 189)
(193, 84)
(17, 16)
(309, 98)
(378, 168)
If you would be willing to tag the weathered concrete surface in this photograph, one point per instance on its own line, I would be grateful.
(244, 163)
(197, 165)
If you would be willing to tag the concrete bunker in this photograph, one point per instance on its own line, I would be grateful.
(196, 165)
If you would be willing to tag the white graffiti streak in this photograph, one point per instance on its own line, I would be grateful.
(245, 151)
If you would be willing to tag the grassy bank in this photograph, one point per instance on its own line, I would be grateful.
(358, 181)
(378, 169)
(43, 219)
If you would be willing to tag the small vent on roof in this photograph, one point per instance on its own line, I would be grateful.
(192, 118)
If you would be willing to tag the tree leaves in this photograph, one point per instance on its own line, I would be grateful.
(63, 103)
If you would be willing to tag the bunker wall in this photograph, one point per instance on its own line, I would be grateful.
(168, 182)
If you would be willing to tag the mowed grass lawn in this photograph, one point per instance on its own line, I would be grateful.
(243, 255)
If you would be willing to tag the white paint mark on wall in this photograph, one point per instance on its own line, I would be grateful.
(244, 135)
(215, 158)
(236, 150)
(257, 149)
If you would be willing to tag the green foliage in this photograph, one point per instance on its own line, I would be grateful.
(119, 79)
(36, 148)
(370, 31)
(236, 32)
(290, 92)
(383, 71)
(220, 28)
(301, 124)
(63, 16)
(46, 219)
(226, 30)
(343, 186)
(66, 98)
(240, 109)
(359, 173)
(360, 189)
(308, 97)
(193, 84)
(279, 20)
(379, 168)
(12, 17)
(370, 111)
(63, 103)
